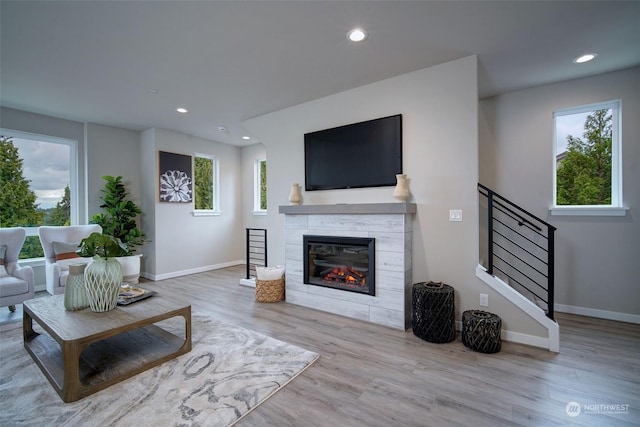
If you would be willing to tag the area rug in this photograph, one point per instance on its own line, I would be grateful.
(229, 372)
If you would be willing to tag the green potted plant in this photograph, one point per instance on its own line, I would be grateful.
(103, 276)
(119, 220)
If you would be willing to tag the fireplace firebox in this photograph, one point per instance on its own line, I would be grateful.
(346, 263)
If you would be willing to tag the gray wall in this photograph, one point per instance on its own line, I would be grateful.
(180, 243)
(440, 156)
(597, 268)
(111, 151)
(148, 168)
(183, 243)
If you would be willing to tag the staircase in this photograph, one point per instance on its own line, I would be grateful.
(517, 259)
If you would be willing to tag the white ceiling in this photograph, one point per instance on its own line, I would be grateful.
(98, 61)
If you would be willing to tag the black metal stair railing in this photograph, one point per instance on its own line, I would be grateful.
(518, 247)
(256, 244)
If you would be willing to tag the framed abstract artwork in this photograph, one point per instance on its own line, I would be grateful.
(176, 183)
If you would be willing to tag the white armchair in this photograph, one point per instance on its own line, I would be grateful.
(16, 282)
(59, 245)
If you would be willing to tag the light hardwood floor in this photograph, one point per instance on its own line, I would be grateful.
(371, 375)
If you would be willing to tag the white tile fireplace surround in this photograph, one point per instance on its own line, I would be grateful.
(389, 224)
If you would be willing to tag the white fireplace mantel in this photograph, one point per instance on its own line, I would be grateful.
(390, 224)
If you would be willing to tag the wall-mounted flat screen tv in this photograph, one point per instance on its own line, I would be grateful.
(358, 155)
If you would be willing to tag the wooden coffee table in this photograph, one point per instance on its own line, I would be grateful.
(83, 352)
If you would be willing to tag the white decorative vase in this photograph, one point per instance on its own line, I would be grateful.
(102, 279)
(294, 195)
(401, 192)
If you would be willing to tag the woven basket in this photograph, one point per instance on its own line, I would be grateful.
(481, 331)
(270, 290)
(433, 317)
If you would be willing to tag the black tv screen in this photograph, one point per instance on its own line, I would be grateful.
(365, 154)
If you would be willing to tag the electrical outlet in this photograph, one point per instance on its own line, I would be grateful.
(455, 215)
(484, 300)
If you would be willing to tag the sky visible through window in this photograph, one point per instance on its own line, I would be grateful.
(46, 165)
(572, 124)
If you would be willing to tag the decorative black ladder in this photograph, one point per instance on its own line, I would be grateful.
(256, 250)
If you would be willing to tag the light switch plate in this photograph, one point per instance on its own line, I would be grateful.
(484, 300)
(455, 215)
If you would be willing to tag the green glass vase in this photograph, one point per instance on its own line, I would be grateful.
(75, 295)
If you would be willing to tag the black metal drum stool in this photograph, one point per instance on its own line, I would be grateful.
(481, 331)
(433, 317)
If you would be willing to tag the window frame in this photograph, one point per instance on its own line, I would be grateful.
(73, 171)
(215, 211)
(616, 207)
(257, 184)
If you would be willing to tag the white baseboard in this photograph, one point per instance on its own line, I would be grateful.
(173, 274)
(552, 341)
(600, 314)
(531, 340)
(517, 337)
(248, 282)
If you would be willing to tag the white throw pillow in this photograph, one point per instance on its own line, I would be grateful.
(65, 250)
(270, 273)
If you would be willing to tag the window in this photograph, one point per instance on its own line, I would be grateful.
(587, 160)
(205, 184)
(39, 184)
(260, 187)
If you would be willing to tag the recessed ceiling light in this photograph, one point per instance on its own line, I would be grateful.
(246, 137)
(585, 58)
(182, 110)
(357, 35)
(222, 129)
(154, 91)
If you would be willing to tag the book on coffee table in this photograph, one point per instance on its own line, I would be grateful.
(130, 294)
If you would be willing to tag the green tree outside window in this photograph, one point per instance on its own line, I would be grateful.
(583, 172)
(204, 195)
(263, 185)
(18, 207)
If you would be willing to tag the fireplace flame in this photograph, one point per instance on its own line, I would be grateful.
(345, 275)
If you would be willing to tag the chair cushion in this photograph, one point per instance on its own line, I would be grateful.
(10, 286)
(65, 250)
(66, 255)
(65, 263)
(3, 269)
